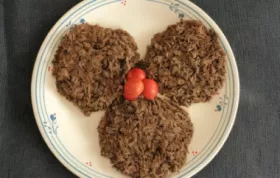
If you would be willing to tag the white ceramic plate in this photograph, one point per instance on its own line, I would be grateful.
(73, 138)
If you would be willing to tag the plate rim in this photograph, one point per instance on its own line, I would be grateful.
(236, 88)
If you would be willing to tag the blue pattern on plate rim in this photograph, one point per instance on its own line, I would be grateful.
(175, 8)
(52, 119)
(53, 126)
(71, 25)
(222, 103)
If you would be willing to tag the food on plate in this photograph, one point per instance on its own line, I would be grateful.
(187, 61)
(150, 89)
(133, 89)
(91, 63)
(143, 135)
(136, 73)
(144, 138)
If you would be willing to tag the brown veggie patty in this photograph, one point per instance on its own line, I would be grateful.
(187, 61)
(90, 65)
(145, 138)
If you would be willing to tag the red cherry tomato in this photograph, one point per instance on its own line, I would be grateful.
(136, 73)
(133, 88)
(150, 89)
(130, 97)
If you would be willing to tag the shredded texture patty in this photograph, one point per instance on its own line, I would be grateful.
(187, 61)
(145, 139)
(90, 65)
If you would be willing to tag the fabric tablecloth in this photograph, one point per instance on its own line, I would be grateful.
(253, 30)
